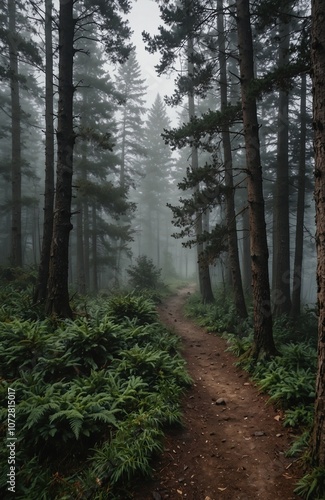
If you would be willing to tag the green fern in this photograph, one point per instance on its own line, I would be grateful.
(299, 445)
(312, 485)
(134, 307)
(299, 416)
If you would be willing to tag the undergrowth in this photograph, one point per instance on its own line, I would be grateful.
(93, 396)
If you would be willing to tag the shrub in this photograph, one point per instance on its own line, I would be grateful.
(218, 317)
(299, 416)
(144, 275)
(312, 485)
(93, 396)
(299, 445)
(132, 307)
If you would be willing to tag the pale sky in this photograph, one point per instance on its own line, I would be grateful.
(145, 17)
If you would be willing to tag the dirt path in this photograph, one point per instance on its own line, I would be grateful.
(232, 445)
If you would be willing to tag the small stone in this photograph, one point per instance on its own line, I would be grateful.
(221, 401)
(156, 496)
(181, 480)
(259, 433)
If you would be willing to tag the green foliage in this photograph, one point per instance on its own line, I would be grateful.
(144, 275)
(303, 330)
(22, 278)
(22, 342)
(103, 386)
(312, 485)
(299, 445)
(16, 302)
(218, 317)
(198, 128)
(237, 345)
(299, 416)
(132, 307)
(288, 387)
(289, 378)
(137, 439)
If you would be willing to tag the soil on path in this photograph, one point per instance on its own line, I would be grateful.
(232, 444)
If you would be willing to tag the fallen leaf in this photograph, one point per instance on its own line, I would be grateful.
(222, 489)
(179, 492)
(277, 418)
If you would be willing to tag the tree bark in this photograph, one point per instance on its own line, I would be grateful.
(230, 199)
(318, 78)
(299, 244)
(281, 232)
(263, 345)
(81, 280)
(94, 248)
(203, 266)
(43, 271)
(86, 232)
(16, 239)
(58, 293)
(246, 257)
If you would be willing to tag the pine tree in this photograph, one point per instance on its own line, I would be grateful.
(185, 20)
(114, 32)
(43, 270)
(95, 104)
(281, 235)
(130, 137)
(228, 163)
(58, 294)
(14, 45)
(318, 75)
(152, 194)
(263, 337)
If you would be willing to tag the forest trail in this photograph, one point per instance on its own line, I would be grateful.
(232, 444)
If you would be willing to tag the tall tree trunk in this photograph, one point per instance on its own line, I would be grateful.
(58, 293)
(203, 266)
(94, 248)
(281, 232)
(119, 243)
(230, 200)
(86, 229)
(81, 280)
(122, 171)
(82, 283)
(263, 344)
(246, 257)
(158, 238)
(43, 271)
(318, 77)
(299, 245)
(16, 243)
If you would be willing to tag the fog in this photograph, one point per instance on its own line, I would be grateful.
(127, 200)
